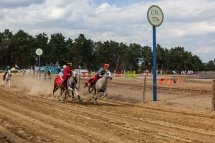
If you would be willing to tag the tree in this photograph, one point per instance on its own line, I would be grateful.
(210, 66)
(21, 49)
(161, 57)
(146, 55)
(5, 45)
(84, 52)
(41, 41)
(57, 49)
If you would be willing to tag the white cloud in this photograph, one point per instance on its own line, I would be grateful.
(18, 3)
(102, 8)
(187, 23)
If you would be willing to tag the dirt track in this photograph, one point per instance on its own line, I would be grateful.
(31, 116)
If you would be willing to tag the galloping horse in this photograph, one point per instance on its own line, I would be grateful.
(71, 85)
(58, 84)
(65, 87)
(100, 86)
(7, 78)
(91, 85)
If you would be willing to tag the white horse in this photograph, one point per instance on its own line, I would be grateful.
(101, 86)
(72, 86)
(65, 87)
(7, 79)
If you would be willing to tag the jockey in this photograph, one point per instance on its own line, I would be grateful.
(103, 70)
(60, 72)
(67, 72)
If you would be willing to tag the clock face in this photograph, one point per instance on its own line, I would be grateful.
(39, 51)
(155, 15)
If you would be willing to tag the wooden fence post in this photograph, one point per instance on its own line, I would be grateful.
(144, 88)
(213, 95)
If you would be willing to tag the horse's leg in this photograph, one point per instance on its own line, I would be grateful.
(61, 93)
(55, 88)
(6, 83)
(9, 83)
(95, 98)
(92, 96)
(105, 90)
(76, 92)
(94, 88)
(69, 88)
(71, 91)
(73, 95)
(89, 88)
(66, 92)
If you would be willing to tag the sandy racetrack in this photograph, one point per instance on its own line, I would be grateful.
(29, 114)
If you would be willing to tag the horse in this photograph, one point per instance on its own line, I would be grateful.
(90, 85)
(65, 87)
(58, 84)
(101, 86)
(71, 85)
(7, 79)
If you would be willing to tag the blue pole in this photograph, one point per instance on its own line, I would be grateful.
(154, 65)
(39, 68)
(39, 63)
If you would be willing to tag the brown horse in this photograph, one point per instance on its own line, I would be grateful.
(91, 84)
(58, 83)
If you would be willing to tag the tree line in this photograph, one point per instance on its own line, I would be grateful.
(19, 49)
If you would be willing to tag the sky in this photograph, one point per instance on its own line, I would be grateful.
(187, 23)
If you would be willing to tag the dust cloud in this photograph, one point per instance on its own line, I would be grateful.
(33, 85)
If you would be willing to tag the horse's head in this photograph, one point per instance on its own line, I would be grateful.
(107, 75)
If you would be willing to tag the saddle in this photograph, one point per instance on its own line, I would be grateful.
(58, 81)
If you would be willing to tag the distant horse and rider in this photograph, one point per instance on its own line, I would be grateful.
(7, 78)
(98, 83)
(100, 87)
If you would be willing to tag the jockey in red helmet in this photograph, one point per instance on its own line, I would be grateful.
(99, 73)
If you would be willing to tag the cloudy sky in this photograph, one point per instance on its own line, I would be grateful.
(187, 23)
